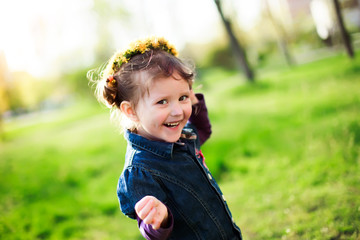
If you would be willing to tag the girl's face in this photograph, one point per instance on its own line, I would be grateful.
(163, 112)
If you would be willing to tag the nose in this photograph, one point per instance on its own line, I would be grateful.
(176, 109)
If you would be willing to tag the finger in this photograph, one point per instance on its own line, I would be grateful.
(193, 98)
(157, 220)
(144, 212)
(156, 226)
(142, 203)
(149, 219)
(199, 87)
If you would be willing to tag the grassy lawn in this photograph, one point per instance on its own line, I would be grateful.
(286, 152)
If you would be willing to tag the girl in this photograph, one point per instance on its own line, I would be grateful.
(165, 183)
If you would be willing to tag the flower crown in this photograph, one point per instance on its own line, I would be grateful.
(139, 47)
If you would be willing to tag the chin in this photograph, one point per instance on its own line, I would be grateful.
(173, 139)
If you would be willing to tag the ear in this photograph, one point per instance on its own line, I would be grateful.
(127, 108)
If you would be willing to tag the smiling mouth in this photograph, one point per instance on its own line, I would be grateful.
(172, 125)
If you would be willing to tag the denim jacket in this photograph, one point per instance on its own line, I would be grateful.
(176, 174)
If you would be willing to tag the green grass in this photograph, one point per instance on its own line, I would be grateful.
(286, 152)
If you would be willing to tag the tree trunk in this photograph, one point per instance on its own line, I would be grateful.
(281, 35)
(238, 51)
(344, 34)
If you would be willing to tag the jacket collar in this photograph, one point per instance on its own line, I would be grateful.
(162, 149)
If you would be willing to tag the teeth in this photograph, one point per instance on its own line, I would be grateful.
(172, 124)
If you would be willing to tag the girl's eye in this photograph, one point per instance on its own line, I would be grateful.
(183, 98)
(161, 102)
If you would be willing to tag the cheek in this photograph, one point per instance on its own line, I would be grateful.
(188, 111)
(159, 116)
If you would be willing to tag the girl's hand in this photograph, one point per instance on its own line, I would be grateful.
(193, 98)
(152, 211)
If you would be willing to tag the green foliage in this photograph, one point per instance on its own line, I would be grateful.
(78, 82)
(27, 92)
(221, 56)
(286, 152)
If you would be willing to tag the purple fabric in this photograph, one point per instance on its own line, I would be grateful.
(200, 119)
(160, 234)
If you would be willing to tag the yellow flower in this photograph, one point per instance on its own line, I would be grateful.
(142, 47)
(174, 52)
(162, 41)
(123, 59)
(155, 42)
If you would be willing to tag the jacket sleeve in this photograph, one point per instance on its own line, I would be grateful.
(200, 119)
(134, 184)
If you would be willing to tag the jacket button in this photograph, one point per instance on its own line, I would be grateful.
(209, 175)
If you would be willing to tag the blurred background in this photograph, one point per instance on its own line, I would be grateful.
(282, 83)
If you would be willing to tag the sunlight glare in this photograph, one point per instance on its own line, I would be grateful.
(43, 37)
(36, 33)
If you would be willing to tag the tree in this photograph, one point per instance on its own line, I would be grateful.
(344, 34)
(237, 49)
(281, 34)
